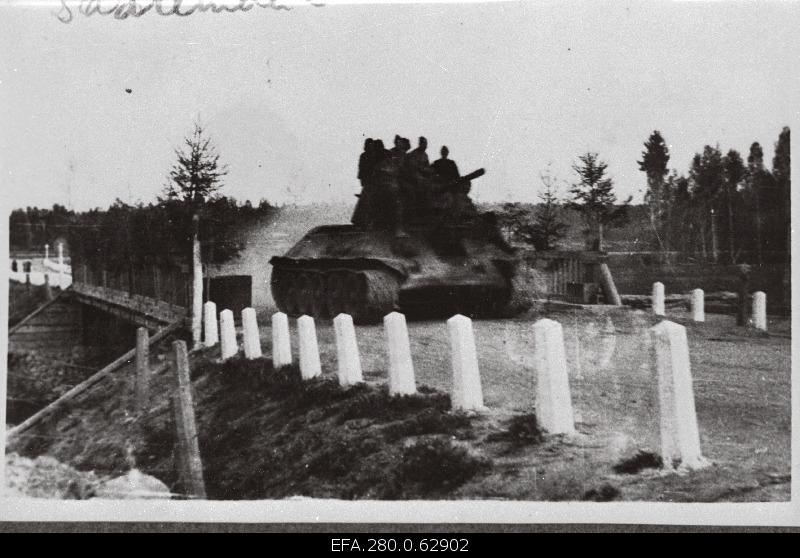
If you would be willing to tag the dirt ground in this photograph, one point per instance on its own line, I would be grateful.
(265, 434)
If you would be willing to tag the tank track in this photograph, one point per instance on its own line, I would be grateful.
(366, 294)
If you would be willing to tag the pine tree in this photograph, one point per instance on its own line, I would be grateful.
(707, 175)
(756, 179)
(654, 162)
(594, 198)
(197, 175)
(781, 171)
(544, 227)
(734, 173)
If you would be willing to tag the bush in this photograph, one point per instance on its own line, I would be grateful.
(521, 430)
(437, 464)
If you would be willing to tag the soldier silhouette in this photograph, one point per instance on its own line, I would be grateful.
(445, 169)
(366, 169)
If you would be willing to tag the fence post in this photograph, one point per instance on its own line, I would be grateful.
(698, 305)
(349, 361)
(211, 327)
(61, 265)
(228, 346)
(680, 437)
(142, 369)
(467, 392)
(48, 293)
(281, 341)
(553, 400)
(190, 464)
(252, 341)
(310, 366)
(401, 367)
(760, 310)
(658, 298)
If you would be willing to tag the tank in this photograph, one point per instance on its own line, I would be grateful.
(439, 262)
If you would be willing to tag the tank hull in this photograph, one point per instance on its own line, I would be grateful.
(371, 273)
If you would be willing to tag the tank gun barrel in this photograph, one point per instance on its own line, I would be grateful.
(473, 175)
(464, 179)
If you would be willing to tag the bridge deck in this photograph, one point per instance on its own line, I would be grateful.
(138, 309)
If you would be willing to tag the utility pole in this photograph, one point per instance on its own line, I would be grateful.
(197, 285)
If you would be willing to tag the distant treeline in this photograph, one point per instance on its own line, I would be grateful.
(725, 209)
(137, 235)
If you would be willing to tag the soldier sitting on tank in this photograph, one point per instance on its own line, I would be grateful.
(457, 217)
(445, 169)
(366, 169)
(386, 211)
(417, 162)
(398, 152)
(419, 174)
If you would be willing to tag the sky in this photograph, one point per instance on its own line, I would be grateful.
(288, 97)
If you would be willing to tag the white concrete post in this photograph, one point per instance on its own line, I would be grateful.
(252, 340)
(197, 286)
(281, 341)
(228, 346)
(698, 305)
(467, 393)
(349, 361)
(658, 299)
(760, 310)
(310, 366)
(401, 368)
(553, 401)
(61, 265)
(680, 438)
(46, 252)
(211, 327)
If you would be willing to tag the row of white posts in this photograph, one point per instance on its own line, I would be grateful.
(698, 305)
(680, 438)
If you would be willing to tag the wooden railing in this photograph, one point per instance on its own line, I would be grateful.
(171, 285)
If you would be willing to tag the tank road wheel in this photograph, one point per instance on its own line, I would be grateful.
(355, 295)
(336, 293)
(284, 290)
(292, 294)
(319, 306)
(304, 293)
(278, 288)
(373, 294)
